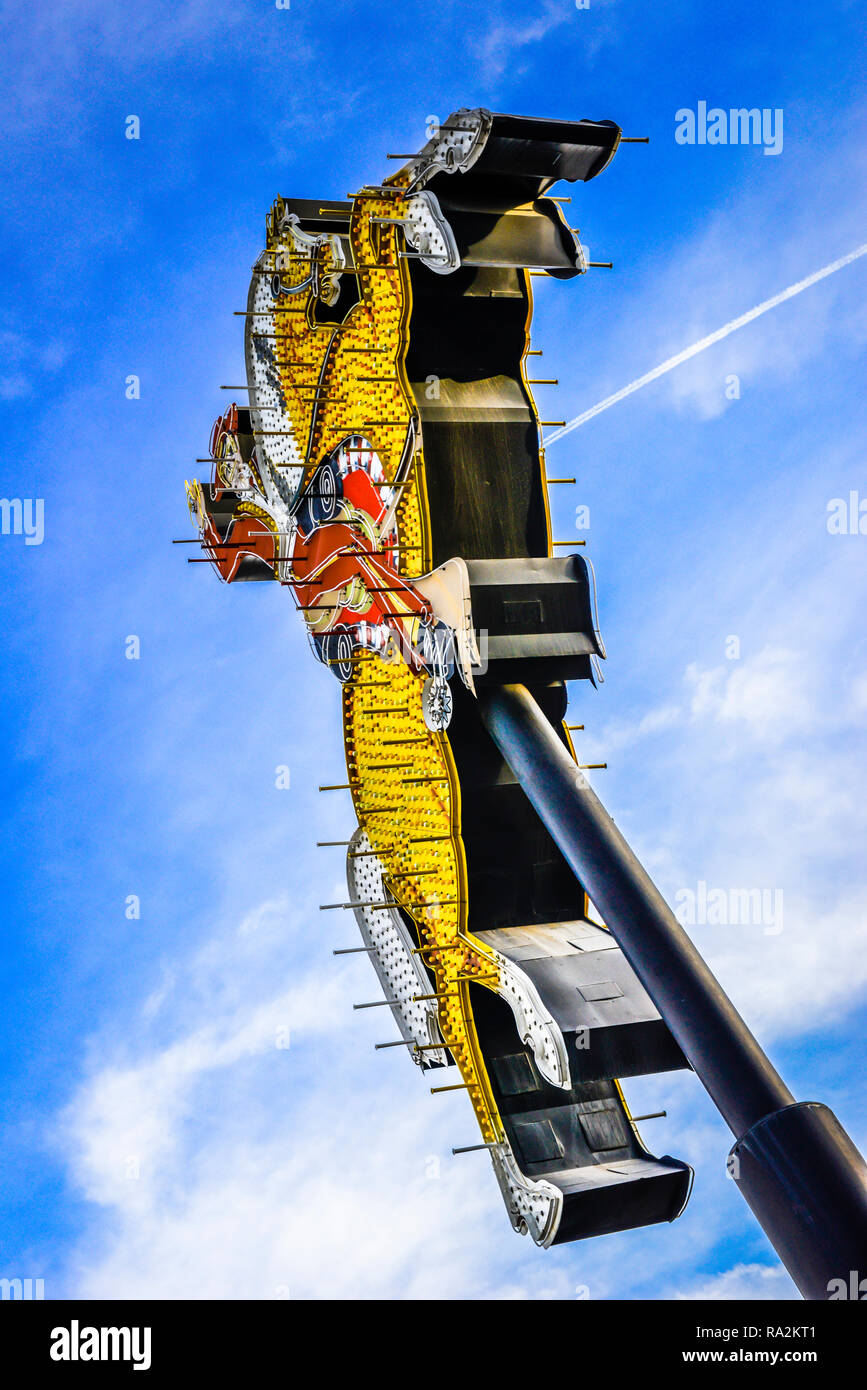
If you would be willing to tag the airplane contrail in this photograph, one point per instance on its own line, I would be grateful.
(707, 342)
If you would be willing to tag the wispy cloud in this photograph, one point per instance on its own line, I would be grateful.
(710, 340)
(684, 306)
(209, 1159)
(749, 1282)
(237, 1159)
(769, 798)
(506, 38)
(218, 1163)
(26, 362)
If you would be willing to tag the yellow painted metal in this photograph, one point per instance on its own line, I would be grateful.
(415, 827)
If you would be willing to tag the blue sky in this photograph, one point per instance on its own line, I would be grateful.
(157, 1139)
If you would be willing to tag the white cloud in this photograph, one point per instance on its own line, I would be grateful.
(764, 754)
(227, 1167)
(504, 38)
(750, 1282)
(731, 257)
(304, 1170)
(25, 362)
(220, 1166)
(765, 695)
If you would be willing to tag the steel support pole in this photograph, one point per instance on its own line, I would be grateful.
(794, 1164)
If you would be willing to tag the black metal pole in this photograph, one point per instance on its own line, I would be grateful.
(795, 1165)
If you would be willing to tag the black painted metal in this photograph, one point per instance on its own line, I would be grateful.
(807, 1185)
(797, 1168)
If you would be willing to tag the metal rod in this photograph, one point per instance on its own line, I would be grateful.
(644, 926)
(370, 188)
(327, 907)
(455, 946)
(795, 1165)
